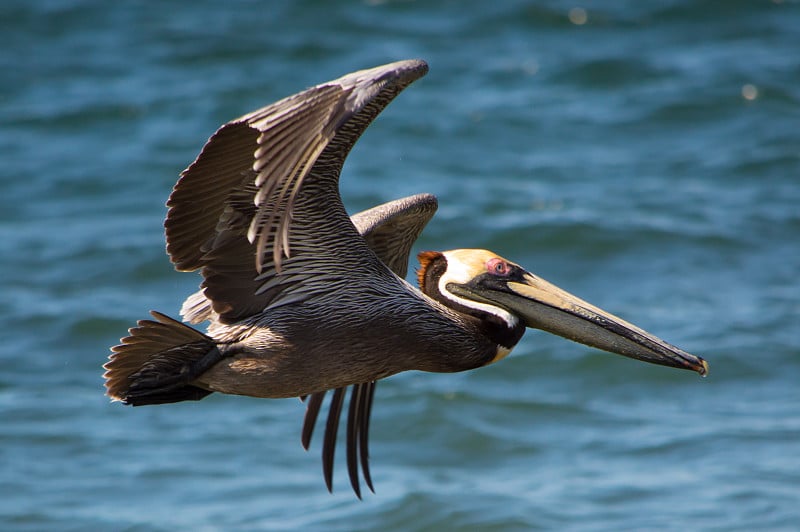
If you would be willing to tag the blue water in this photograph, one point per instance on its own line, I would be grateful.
(647, 160)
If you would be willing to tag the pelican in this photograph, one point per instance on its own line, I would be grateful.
(302, 299)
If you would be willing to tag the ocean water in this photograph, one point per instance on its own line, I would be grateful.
(643, 155)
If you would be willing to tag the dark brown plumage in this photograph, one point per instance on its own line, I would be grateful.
(303, 299)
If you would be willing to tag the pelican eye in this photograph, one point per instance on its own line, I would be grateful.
(498, 267)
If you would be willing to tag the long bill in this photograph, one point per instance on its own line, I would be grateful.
(545, 306)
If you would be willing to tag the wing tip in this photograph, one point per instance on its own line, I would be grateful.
(364, 85)
(406, 70)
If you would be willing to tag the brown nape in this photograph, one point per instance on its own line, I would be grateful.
(432, 265)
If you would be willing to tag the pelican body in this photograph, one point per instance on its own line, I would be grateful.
(302, 299)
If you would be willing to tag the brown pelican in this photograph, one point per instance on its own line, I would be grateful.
(303, 299)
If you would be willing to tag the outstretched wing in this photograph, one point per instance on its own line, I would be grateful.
(259, 211)
(390, 230)
(262, 198)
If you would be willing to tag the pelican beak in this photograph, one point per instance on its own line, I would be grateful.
(543, 305)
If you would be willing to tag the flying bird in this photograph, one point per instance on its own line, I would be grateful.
(302, 299)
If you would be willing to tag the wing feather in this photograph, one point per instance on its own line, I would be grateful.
(235, 211)
(392, 228)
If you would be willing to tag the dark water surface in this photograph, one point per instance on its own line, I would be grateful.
(647, 160)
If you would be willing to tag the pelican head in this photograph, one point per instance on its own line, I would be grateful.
(508, 299)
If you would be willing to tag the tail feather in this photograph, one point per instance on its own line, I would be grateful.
(157, 362)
